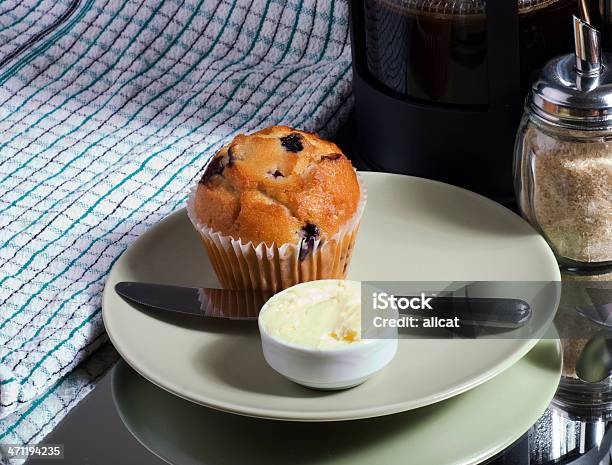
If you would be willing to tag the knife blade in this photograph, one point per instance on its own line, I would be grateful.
(231, 304)
(204, 302)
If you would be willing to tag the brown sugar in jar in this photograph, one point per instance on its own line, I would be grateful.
(566, 190)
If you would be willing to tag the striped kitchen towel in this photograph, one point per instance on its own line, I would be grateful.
(108, 111)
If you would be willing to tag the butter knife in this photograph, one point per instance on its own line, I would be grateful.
(504, 313)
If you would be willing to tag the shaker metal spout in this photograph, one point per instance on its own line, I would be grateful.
(587, 41)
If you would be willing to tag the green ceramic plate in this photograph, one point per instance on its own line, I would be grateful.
(464, 430)
(413, 229)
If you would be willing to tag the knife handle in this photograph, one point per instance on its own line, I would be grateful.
(477, 311)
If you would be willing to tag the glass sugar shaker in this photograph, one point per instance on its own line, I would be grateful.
(563, 155)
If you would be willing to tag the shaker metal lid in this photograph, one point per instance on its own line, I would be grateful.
(575, 90)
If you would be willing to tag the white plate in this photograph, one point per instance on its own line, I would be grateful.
(413, 229)
(464, 430)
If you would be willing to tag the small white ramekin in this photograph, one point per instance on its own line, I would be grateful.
(337, 368)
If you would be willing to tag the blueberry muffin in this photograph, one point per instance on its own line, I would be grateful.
(278, 207)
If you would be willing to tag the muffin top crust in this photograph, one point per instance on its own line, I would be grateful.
(278, 185)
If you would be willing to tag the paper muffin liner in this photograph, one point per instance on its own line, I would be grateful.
(241, 265)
